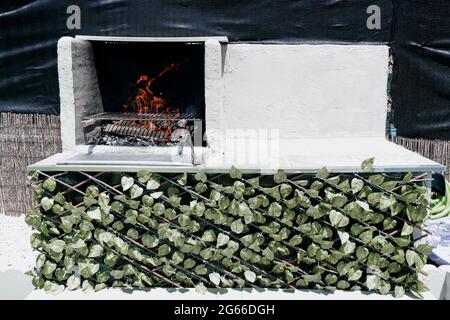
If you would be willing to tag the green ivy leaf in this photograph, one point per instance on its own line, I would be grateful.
(201, 270)
(280, 176)
(357, 185)
(389, 185)
(337, 219)
(399, 291)
(127, 183)
(214, 278)
(95, 251)
(201, 176)
(182, 179)
(152, 184)
(425, 249)
(177, 257)
(338, 200)
(348, 247)
(372, 282)
(407, 177)
(209, 236)
(377, 179)
(384, 287)
(52, 288)
(94, 214)
(343, 285)
(254, 182)
(366, 236)
(88, 269)
(275, 209)
(59, 198)
(295, 240)
(90, 201)
(285, 190)
(48, 268)
(57, 246)
(150, 241)
(163, 250)
(222, 239)
(136, 191)
(250, 276)
(133, 234)
(73, 282)
(235, 173)
(143, 176)
(49, 184)
(156, 195)
(407, 230)
(386, 202)
(323, 173)
(343, 236)
(412, 258)
(237, 226)
(367, 165)
(47, 203)
(116, 274)
(402, 242)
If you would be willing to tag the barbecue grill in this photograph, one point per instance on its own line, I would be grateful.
(316, 105)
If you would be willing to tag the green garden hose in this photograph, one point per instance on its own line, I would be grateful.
(441, 208)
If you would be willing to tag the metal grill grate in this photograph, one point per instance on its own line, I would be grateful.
(133, 129)
(130, 129)
(112, 116)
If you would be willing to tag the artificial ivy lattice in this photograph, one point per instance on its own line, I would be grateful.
(144, 229)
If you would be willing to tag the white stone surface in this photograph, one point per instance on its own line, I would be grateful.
(446, 269)
(78, 88)
(435, 280)
(246, 294)
(305, 155)
(306, 91)
(16, 258)
(213, 92)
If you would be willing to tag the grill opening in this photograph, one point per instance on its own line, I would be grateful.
(152, 94)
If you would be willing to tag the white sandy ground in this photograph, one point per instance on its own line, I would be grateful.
(16, 257)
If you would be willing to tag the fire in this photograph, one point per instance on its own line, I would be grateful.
(145, 101)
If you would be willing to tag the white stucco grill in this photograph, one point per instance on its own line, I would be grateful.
(267, 107)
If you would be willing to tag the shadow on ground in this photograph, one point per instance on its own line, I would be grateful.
(14, 285)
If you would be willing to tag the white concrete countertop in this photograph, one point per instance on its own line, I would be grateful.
(302, 155)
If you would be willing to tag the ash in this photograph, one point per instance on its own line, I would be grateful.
(122, 141)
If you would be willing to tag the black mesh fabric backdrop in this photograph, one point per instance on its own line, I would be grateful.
(418, 30)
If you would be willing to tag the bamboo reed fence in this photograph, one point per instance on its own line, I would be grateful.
(436, 150)
(24, 139)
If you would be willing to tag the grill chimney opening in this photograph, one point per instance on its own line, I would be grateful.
(152, 94)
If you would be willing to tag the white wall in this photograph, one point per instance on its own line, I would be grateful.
(306, 90)
(78, 88)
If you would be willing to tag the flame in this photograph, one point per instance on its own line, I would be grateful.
(145, 101)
